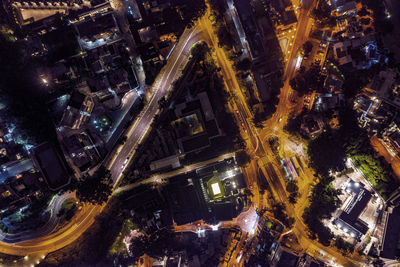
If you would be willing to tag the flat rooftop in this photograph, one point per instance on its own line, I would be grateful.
(51, 165)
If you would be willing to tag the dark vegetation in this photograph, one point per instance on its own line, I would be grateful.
(20, 84)
(243, 159)
(293, 191)
(322, 14)
(96, 188)
(309, 80)
(156, 245)
(323, 201)
(279, 211)
(344, 246)
(91, 248)
(329, 150)
(381, 23)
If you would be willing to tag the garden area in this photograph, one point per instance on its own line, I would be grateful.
(323, 201)
(329, 151)
(119, 247)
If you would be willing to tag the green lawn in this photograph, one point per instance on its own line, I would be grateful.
(118, 247)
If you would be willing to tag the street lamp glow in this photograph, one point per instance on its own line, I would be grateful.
(215, 227)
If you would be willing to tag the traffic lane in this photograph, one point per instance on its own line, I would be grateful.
(54, 242)
(54, 207)
(145, 121)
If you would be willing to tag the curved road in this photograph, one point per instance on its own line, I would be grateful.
(43, 241)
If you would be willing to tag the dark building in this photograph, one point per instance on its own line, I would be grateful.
(51, 164)
(210, 193)
(348, 220)
(391, 238)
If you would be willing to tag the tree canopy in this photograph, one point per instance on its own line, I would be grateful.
(329, 150)
(96, 188)
(323, 201)
(309, 80)
(20, 84)
(242, 158)
(156, 245)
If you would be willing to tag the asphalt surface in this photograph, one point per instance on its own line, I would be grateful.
(43, 241)
(163, 85)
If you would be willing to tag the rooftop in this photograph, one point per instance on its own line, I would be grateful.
(51, 164)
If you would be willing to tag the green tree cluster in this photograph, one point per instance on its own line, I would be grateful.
(293, 191)
(157, 244)
(329, 150)
(323, 201)
(279, 211)
(243, 159)
(344, 246)
(309, 80)
(96, 188)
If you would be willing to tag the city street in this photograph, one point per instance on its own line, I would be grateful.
(44, 241)
(41, 242)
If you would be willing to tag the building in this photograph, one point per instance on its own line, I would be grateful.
(196, 125)
(22, 189)
(52, 165)
(348, 220)
(283, 257)
(346, 8)
(97, 27)
(28, 12)
(211, 193)
(171, 162)
(358, 53)
(312, 124)
(390, 247)
(329, 102)
(264, 49)
(77, 111)
(333, 84)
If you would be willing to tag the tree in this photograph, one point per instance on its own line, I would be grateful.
(309, 80)
(365, 21)
(95, 189)
(158, 244)
(323, 201)
(244, 64)
(280, 214)
(25, 94)
(293, 197)
(344, 246)
(322, 13)
(225, 38)
(293, 190)
(262, 181)
(293, 125)
(363, 12)
(162, 103)
(193, 12)
(243, 159)
(326, 153)
(261, 116)
(307, 48)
